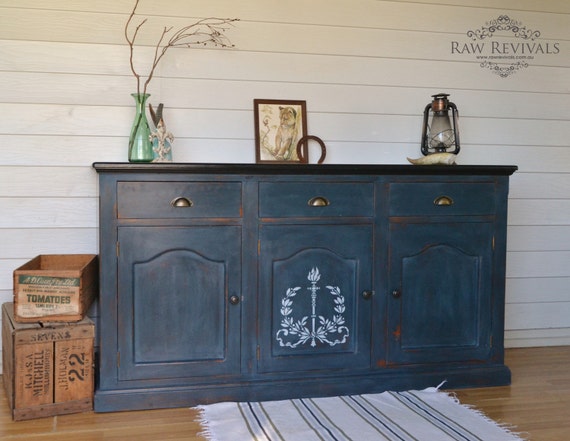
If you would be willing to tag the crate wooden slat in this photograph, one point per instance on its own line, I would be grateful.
(47, 368)
(55, 287)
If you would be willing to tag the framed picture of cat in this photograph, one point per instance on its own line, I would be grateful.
(279, 125)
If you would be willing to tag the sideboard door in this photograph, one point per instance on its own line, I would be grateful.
(440, 295)
(177, 316)
(314, 297)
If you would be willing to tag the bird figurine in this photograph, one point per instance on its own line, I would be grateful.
(160, 138)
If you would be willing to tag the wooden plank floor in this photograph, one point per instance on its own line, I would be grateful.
(537, 402)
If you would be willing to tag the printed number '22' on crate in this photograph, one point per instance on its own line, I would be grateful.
(55, 288)
(47, 368)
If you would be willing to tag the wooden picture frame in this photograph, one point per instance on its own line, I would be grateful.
(279, 125)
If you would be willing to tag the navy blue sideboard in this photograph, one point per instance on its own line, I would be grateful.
(255, 282)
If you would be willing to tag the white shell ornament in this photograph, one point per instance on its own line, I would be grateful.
(435, 158)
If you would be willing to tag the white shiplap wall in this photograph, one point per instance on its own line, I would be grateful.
(366, 69)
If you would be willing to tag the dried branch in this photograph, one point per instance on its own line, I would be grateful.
(131, 42)
(204, 32)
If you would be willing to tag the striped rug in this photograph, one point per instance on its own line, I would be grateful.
(427, 415)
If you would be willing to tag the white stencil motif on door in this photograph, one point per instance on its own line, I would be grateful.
(312, 328)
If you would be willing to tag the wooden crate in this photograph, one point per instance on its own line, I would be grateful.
(47, 369)
(55, 288)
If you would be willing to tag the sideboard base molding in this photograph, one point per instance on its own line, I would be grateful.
(396, 380)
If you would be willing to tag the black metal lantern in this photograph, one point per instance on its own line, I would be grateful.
(442, 134)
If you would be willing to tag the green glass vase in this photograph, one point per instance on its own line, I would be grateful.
(140, 144)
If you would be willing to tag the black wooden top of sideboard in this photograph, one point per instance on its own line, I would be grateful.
(305, 169)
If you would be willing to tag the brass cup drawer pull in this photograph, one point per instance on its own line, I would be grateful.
(319, 201)
(443, 201)
(181, 202)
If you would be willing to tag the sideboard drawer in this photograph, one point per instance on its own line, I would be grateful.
(316, 199)
(173, 200)
(442, 198)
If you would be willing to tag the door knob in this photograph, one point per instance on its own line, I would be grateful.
(367, 295)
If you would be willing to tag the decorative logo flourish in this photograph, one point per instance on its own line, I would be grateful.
(503, 23)
(504, 71)
(296, 333)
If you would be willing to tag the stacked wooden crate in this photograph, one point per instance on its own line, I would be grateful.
(47, 341)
